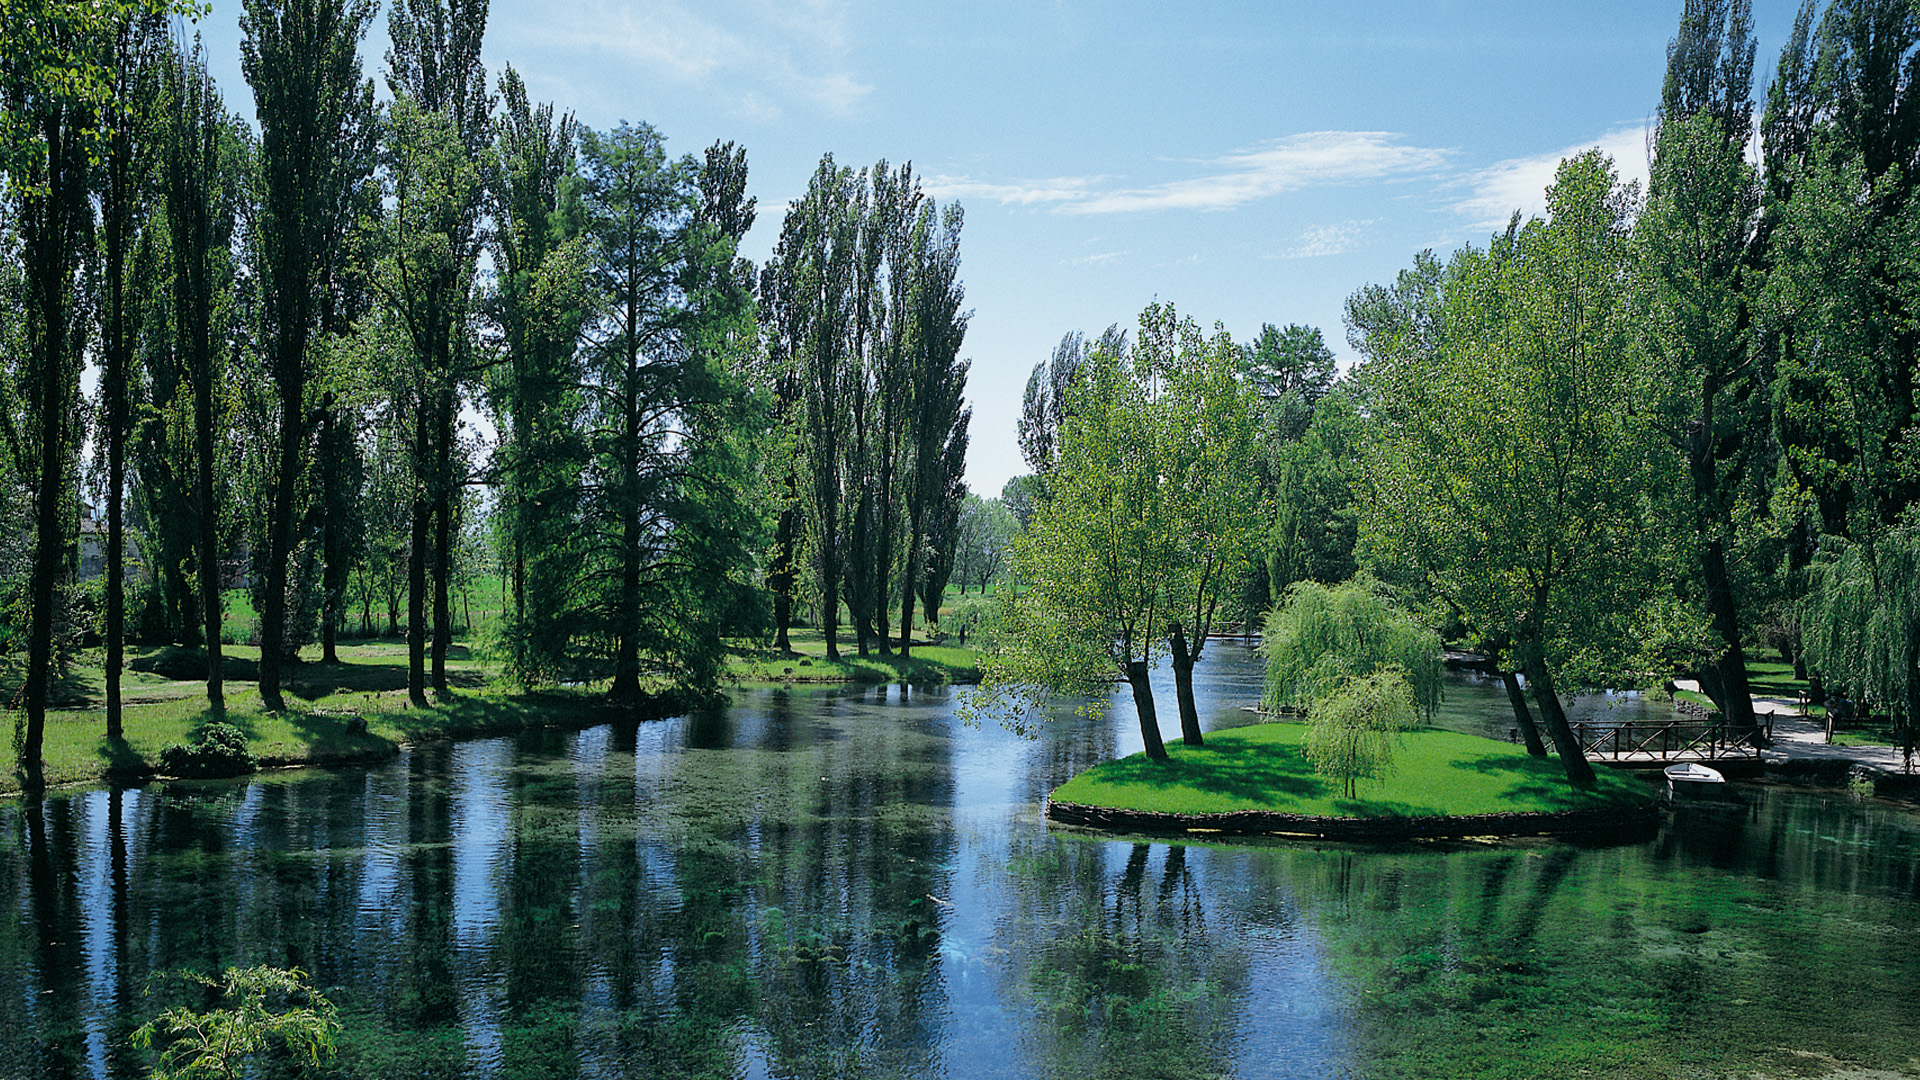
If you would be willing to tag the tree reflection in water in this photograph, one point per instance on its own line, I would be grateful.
(1118, 974)
(825, 884)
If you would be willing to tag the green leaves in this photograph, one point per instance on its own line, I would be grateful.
(1506, 466)
(1324, 637)
(269, 1010)
(1150, 514)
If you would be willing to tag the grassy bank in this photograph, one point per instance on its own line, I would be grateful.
(1261, 768)
(808, 663)
(357, 709)
(348, 711)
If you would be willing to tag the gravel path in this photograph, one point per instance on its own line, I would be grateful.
(1802, 738)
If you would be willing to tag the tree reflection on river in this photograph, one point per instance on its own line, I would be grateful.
(851, 883)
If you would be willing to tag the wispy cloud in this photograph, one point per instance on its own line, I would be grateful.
(1328, 240)
(1318, 158)
(1495, 192)
(758, 54)
(1059, 189)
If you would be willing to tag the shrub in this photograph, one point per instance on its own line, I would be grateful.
(218, 750)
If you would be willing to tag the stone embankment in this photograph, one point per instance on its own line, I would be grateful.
(1611, 823)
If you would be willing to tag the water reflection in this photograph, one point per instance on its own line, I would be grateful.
(817, 883)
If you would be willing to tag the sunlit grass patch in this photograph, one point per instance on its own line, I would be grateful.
(1261, 767)
(927, 663)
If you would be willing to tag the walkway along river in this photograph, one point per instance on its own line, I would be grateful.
(849, 882)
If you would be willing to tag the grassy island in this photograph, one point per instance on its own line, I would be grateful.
(1260, 770)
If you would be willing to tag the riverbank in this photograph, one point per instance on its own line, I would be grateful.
(807, 662)
(1256, 780)
(357, 710)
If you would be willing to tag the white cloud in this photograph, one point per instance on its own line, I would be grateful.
(1323, 158)
(757, 52)
(1026, 193)
(1328, 240)
(1495, 192)
(1276, 167)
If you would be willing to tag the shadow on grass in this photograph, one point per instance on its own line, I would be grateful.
(1382, 808)
(119, 759)
(1541, 782)
(1253, 775)
(311, 682)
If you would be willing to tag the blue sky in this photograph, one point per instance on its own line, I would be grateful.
(1247, 162)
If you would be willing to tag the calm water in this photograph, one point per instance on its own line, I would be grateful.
(852, 883)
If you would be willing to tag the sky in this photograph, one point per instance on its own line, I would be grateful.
(1247, 162)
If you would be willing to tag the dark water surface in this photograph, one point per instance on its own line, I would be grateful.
(851, 883)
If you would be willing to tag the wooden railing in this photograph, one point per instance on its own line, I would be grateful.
(1707, 739)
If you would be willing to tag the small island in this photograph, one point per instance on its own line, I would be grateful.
(1256, 780)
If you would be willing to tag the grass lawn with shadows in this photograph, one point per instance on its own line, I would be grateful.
(1261, 767)
(352, 710)
(754, 664)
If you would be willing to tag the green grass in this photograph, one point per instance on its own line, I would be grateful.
(1764, 679)
(370, 683)
(1261, 768)
(929, 663)
(166, 703)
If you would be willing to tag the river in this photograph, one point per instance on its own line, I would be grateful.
(851, 882)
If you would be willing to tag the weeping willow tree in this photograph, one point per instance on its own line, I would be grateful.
(1326, 635)
(1862, 625)
(1362, 670)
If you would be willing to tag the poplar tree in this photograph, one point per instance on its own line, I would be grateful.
(302, 59)
(441, 123)
(540, 306)
(1697, 250)
(54, 79)
(807, 287)
(196, 177)
(1842, 133)
(123, 199)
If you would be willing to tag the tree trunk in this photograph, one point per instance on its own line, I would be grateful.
(280, 516)
(1522, 716)
(115, 380)
(49, 227)
(907, 576)
(333, 573)
(1736, 696)
(1572, 758)
(1143, 706)
(882, 550)
(626, 669)
(1183, 662)
(443, 529)
(781, 579)
(418, 554)
(208, 541)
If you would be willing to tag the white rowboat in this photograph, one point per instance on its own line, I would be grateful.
(1693, 781)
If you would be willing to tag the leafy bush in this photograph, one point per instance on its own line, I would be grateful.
(218, 750)
(270, 1013)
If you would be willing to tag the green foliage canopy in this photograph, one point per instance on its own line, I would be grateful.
(1325, 636)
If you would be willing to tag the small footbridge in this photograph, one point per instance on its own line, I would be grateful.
(1653, 744)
